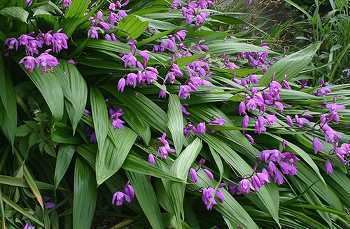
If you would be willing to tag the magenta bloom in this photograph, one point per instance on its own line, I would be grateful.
(121, 85)
(217, 122)
(328, 167)
(59, 42)
(151, 159)
(256, 183)
(47, 62)
(67, 3)
(317, 145)
(193, 175)
(145, 56)
(28, 226)
(29, 63)
(115, 115)
(200, 128)
(208, 197)
(28, 2)
(250, 138)
(220, 196)
(12, 43)
(209, 174)
(244, 186)
(129, 192)
(245, 121)
(93, 32)
(118, 198)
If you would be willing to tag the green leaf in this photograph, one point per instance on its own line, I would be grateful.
(17, 13)
(231, 209)
(99, 116)
(8, 99)
(75, 91)
(133, 25)
(77, 8)
(146, 110)
(19, 209)
(180, 169)
(232, 47)
(50, 88)
(244, 169)
(176, 122)
(290, 65)
(115, 150)
(84, 197)
(64, 157)
(33, 186)
(147, 199)
(138, 125)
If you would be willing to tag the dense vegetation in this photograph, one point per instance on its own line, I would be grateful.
(174, 114)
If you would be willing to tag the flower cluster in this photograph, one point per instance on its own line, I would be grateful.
(144, 76)
(115, 115)
(277, 164)
(105, 24)
(195, 12)
(257, 102)
(170, 43)
(51, 41)
(257, 59)
(210, 196)
(201, 127)
(165, 148)
(119, 198)
(198, 72)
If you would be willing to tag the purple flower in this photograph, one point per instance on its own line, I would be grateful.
(256, 184)
(115, 114)
(263, 177)
(331, 135)
(131, 79)
(176, 4)
(323, 91)
(173, 73)
(208, 197)
(162, 94)
(193, 175)
(278, 177)
(129, 192)
(130, 61)
(188, 129)
(300, 121)
(185, 111)
(59, 42)
(110, 37)
(288, 168)
(259, 126)
(328, 167)
(29, 63)
(250, 138)
(217, 122)
(165, 149)
(46, 62)
(244, 186)
(28, 2)
(285, 85)
(66, 3)
(118, 198)
(209, 174)
(242, 108)
(317, 145)
(93, 32)
(245, 122)
(121, 85)
(200, 128)
(181, 35)
(289, 121)
(145, 56)
(270, 119)
(12, 43)
(28, 226)
(185, 91)
(220, 196)
(151, 159)
(150, 75)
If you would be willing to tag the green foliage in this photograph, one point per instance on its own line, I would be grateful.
(48, 153)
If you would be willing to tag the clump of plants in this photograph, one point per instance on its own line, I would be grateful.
(141, 114)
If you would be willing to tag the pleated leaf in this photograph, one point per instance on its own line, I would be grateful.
(75, 91)
(84, 197)
(64, 158)
(8, 99)
(115, 150)
(133, 25)
(50, 88)
(147, 199)
(99, 116)
(176, 122)
(290, 65)
(180, 169)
